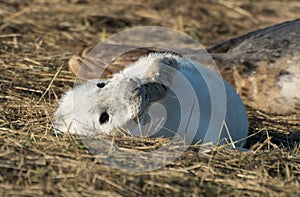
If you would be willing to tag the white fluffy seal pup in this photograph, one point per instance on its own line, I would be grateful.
(160, 90)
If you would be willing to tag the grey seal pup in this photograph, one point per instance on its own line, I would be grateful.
(173, 84)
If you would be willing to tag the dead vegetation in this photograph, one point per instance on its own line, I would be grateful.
(36, 40)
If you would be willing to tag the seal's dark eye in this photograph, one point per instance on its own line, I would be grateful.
(100, 85)
(104, 117)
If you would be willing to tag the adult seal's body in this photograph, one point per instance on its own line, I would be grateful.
(264, 67)
(192, 102)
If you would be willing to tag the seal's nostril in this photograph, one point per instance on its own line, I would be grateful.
(133, 83)
(137, 91)
(135, 80)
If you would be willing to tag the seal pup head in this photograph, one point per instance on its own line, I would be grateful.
(101, 106)
(105, 105)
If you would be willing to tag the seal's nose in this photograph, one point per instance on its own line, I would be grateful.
(134, 84)
(130, 88)
(136, 87)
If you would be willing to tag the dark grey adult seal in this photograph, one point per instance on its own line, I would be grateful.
(264, 67)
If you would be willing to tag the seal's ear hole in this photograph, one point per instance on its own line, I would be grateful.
(101, 85)
(104, 118)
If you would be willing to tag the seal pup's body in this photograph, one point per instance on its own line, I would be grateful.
(198, 104)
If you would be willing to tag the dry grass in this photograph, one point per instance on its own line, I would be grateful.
(37, 38)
